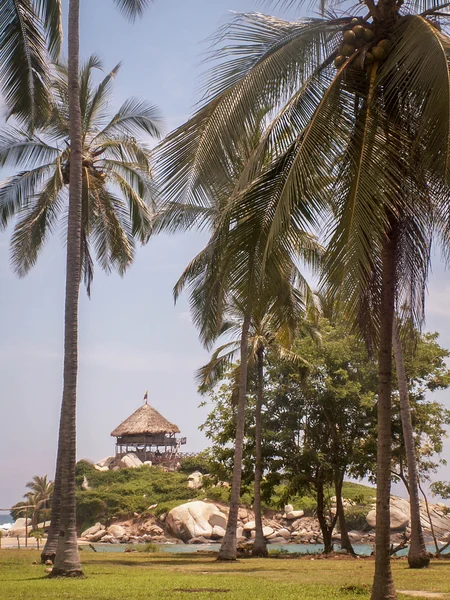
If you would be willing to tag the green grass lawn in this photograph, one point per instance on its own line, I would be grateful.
(167, 577)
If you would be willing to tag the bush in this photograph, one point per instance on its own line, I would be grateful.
(355, 517)
(201, 462)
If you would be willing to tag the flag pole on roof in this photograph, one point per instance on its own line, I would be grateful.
(146, 396)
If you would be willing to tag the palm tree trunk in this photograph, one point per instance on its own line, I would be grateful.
(345, 540)
(51, 544)
(383, 584)
(418, 556)
(259, 546)
(67, 560)
(228, 547)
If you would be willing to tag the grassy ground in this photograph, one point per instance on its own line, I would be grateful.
(169, 577)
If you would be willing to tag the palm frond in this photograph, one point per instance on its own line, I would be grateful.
(17, 191)
(133, 8)
(24, 74)
(50, 11)
(133, 118)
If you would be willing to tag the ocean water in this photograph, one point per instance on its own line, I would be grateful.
(5, 519)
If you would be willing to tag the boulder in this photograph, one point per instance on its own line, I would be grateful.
(92, 530)
(195, 480)
(288, 508)
(267, 531)
(96, 537)
(107, 462)
(117, 531)
(293, 515)
(217, 532)
(398, 519)
(18, 528)
(284, 533)
(249, 526)
(239, 532)
(198, 540)
(192, 520)
(130, 461)
(218, 520)
(85, 484)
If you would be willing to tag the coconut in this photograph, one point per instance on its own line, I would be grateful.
(358, 30)
(348, 49)
(369, 58)
(379, 53)
(359, 42)
(349, 37)
(354, 21)
(339, 61)
(385, 44)
(368, 35)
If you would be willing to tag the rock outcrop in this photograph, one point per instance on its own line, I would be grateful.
(195, 519)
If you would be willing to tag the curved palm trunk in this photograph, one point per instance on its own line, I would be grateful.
(67, 560)
(51, 544)
(345, 540)
(228, 547)
(383, 584)
(418, 556)
(259, 547)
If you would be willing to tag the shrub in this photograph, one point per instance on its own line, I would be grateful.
(355, 517)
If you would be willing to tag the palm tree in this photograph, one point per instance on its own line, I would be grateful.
(30, 30)
(67, 561)
(272, 327)
(371, 110)
(40, 496)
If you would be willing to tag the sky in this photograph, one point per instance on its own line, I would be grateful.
(132, 337)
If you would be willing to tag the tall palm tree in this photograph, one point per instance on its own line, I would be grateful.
(365, 98)
(67, 561)
(272, 327)
(30, 31)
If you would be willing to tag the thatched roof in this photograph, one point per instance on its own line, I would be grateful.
(145, 420)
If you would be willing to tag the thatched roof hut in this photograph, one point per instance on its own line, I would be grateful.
(147, 434)
(145, 421)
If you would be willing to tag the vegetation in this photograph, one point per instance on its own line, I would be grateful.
(123, 493)
(177, 576)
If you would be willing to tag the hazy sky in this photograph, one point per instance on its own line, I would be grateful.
(132, 338)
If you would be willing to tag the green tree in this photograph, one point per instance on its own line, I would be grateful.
(30, 32)
(272, 327)
(369, 110)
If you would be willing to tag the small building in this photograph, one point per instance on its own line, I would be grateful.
(149, 435)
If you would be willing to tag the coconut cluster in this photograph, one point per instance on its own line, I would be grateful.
(360, 34)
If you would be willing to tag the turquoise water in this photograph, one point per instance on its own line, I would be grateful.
(362, 549)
